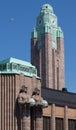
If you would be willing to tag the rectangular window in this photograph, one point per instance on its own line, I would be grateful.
(58, 78)
(46, 123)
(59, 124)
(71, 124)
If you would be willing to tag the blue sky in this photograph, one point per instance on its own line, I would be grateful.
(15, 36)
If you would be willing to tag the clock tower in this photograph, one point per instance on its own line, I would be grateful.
(47, 49)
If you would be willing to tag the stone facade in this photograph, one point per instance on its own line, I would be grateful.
(49, 61)
(38, 102)
(47, 51)
(62, 113)
(10, 85)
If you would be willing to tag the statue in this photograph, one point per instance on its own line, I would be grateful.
(37, 97)
(23, 97)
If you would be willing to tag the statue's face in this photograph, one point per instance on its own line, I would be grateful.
(23, 89)
(22, 98)
(37, 91)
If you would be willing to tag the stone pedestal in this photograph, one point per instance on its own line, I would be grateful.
(26, 118)
(38, 118)
(26, 123)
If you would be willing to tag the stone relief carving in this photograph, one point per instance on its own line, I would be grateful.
(35, 100)
(23, 97)
(37, 97)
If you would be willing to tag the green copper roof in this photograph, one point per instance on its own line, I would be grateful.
(46, 8)
(47, 22)
(12, 65)
(34, 33)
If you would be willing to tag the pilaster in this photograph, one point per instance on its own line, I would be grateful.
(66, 117)
(38, 119)
(53, 117)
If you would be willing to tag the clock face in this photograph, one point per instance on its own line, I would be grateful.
(53, 22)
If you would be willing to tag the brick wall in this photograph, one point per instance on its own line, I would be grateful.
(49, 61)
(10, 85)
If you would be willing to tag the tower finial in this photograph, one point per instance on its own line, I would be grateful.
(46, 8)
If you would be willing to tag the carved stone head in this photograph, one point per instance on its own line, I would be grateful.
(36, 91)
(23, 89)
